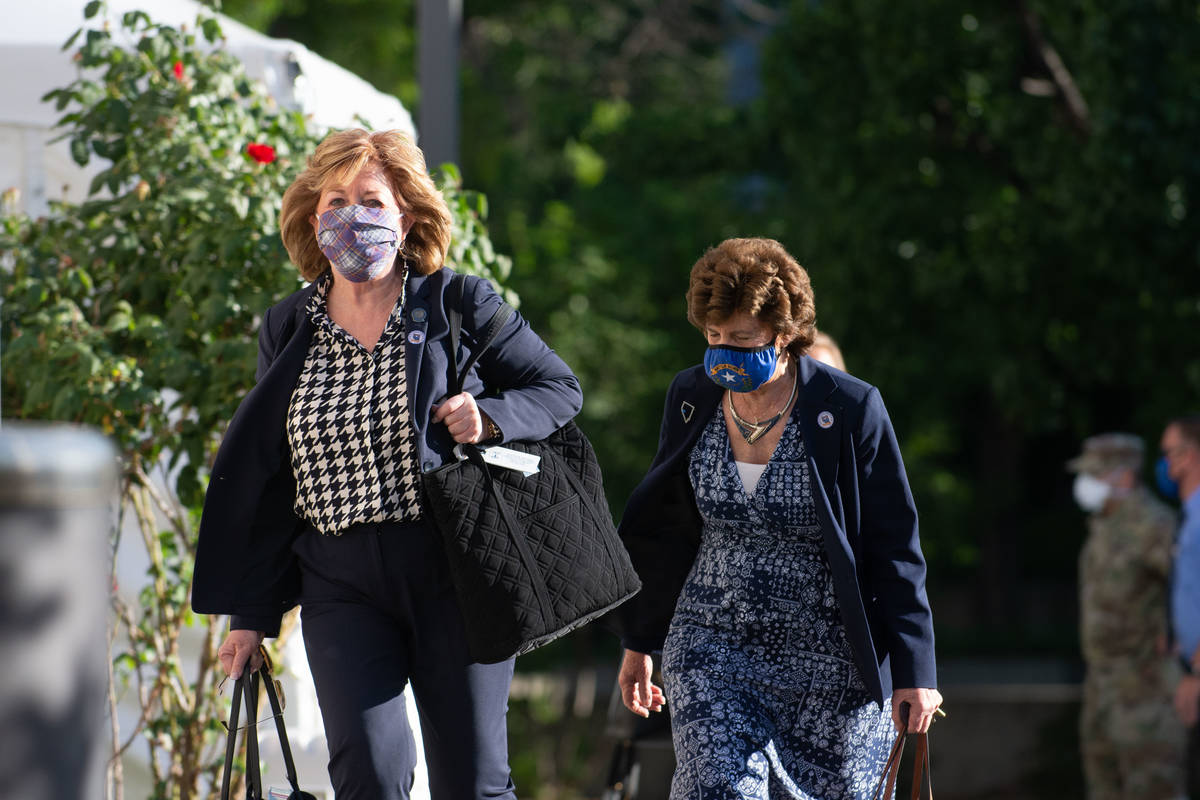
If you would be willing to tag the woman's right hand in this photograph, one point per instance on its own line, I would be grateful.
(239, 647)
(637, 692)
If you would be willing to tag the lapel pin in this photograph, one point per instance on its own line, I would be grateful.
(825, 419)
(686, 410)
(416, 337)
(418, 315)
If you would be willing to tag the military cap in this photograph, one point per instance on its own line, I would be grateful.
(1106, 452)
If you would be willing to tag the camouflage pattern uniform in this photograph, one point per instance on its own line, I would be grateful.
(1131, 739)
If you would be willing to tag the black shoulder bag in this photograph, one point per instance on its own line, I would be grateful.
(247, 685)
(531, 558)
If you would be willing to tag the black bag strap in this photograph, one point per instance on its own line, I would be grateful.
(455, 379)
(246, 687)
(231, 739)
(253, 773)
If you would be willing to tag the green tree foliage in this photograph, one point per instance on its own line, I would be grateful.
(602, 134)
(136, 312)
(995, 199)
(375, 40)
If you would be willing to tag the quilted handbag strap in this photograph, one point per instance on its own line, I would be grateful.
(458, 285)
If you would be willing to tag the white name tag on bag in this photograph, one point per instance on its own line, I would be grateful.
(525, 463)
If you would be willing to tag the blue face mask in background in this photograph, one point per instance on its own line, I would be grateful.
(740, 369)
(1166, 487)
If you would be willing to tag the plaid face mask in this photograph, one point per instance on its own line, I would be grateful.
(360, 242)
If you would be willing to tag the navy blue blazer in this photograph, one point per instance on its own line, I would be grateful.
(244, 561)
(864, 505)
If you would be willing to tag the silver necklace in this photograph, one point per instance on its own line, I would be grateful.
(753, 431)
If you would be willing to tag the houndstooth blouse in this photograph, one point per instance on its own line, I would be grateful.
(349, 428)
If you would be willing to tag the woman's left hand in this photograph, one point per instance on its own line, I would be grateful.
(462, 418)
(921, 705)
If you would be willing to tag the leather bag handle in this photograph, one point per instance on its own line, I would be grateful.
(246, 687)
(253, 773)
(922, 775)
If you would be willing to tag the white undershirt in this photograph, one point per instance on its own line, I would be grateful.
(750, 474)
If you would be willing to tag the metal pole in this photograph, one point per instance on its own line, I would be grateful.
(439, 23)
(58, 487)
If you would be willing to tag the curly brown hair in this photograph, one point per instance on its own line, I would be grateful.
(338, 159)
(756, 277)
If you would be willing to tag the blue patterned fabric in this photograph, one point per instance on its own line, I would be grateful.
(765, 698)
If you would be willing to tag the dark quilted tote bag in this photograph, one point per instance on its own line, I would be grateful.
(532, 557)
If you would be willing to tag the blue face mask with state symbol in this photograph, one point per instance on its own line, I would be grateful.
(740, 369)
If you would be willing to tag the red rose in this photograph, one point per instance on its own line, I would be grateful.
(262, 153)
(178, 70)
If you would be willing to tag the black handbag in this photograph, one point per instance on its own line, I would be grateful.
(247, 686)
(531, 557)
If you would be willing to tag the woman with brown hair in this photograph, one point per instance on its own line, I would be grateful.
(314, 497)
(776, 539)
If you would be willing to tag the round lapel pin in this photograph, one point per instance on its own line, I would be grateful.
(418, 315)
(416, 337)
(825, 419)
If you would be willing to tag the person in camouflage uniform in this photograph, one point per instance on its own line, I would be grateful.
(1132, 741)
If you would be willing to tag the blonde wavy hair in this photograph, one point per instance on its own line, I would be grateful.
(340, 157)
(759, 278)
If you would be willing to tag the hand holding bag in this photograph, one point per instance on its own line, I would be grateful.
(922, 777)
(531, 557)
(247, 685)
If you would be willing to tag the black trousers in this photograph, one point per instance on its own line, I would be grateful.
(379, 612)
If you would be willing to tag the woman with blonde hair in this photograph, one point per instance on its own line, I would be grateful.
(776, 539)
(315, 493)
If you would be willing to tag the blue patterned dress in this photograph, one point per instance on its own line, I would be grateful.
(766, 700)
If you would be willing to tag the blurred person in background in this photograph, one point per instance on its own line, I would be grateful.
(1179, 477)
(315, 491)
(1132, 744)
(825, 350)
(776, 538)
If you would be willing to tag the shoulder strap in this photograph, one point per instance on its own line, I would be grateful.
(456, 378)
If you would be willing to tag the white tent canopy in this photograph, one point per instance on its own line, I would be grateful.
(32, 63)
